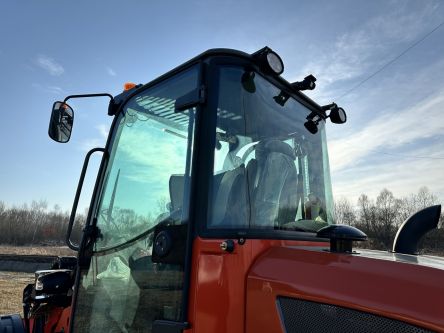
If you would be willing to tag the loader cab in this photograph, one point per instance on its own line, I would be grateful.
(204, 168)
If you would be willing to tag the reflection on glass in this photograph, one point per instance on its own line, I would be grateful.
(146, 184)
(61, 122)
(269, 171)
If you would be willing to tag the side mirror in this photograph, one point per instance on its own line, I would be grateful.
(338, 115)
(60, 124)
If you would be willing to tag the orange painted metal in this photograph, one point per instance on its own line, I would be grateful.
(63, 321)
(218, 283)
(407, 292)
(56, 319)
(237, 292)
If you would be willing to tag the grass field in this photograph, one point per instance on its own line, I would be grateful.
(11, 291)
(12, 283)
(37, 250)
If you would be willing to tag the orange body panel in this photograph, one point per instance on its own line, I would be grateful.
(218, 283)
(63, 322)
(56, 320)
(407, 292)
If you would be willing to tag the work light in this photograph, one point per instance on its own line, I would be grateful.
(275, 63)
(269, 61)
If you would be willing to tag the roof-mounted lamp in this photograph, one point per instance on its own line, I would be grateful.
(269, 61)
(337, 115)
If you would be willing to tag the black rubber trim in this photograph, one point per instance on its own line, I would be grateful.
(167, 326)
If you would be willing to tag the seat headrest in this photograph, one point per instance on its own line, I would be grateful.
(264, 148)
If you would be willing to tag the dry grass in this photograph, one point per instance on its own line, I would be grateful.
(37, 250)
(11, 291)
(12, 283)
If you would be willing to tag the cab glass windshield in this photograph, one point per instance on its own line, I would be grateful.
(146, 186)
(269, 171)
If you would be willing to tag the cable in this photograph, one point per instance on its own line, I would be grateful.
(391, 61)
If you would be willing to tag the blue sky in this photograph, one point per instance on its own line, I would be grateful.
(394, 137)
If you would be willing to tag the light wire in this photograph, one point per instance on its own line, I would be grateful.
(391, 61)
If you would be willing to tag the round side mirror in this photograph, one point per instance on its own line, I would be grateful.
(60, 124)
(338, 115)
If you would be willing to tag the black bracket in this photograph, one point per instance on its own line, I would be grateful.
(193, 98)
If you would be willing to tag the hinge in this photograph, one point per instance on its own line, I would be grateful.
(92, 232)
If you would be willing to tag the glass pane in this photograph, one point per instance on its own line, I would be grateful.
(269, 171)
(146, 186)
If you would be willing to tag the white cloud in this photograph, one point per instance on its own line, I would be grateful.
(88, 144)
(388, 131)
(110, 71)
(362, 51)
(49, 89)
(103, 130)
(401, 174)
(50, 65)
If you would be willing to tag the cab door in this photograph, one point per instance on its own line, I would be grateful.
(132, 265)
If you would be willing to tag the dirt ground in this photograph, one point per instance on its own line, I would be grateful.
(11, 291)
(37, 250)
(12, 283)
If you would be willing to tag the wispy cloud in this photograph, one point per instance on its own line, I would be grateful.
(49, 89)
(399, 173)
(103, 130)
(395, 135)
(361, 51)
(110, 71)
(49, 65)
(390, 130)
(88, 144)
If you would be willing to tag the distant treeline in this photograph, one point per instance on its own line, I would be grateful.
(379, 218)
(35, 224)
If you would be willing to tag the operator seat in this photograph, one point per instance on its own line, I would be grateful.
(230, 206)
(272, 180)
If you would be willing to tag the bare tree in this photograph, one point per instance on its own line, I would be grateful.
(344, 212)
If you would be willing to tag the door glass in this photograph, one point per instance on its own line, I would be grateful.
(146, 186)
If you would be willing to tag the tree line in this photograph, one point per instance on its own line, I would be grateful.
(379, 218)
(35, 224)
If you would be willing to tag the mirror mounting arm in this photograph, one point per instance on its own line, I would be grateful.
(88, 95)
